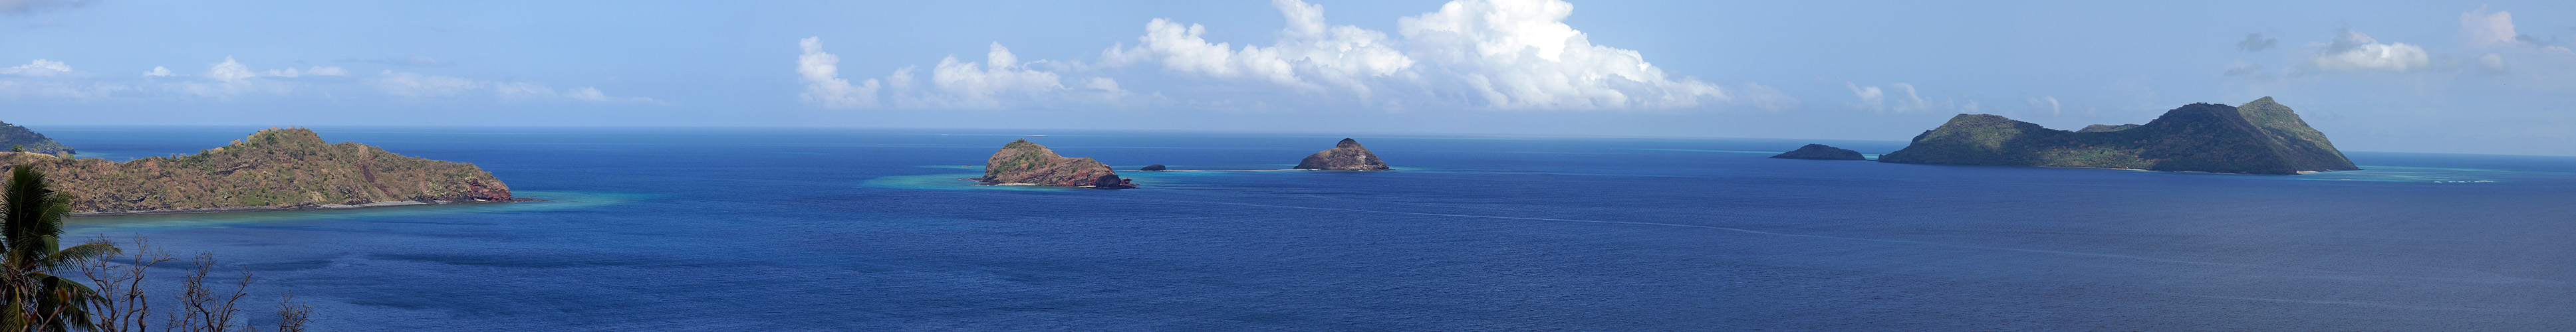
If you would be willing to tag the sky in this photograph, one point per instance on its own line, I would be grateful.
(2406, 76)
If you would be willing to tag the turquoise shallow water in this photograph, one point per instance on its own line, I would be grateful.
(837, 230)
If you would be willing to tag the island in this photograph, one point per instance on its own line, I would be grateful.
(272, 170)
(1345, 156)
(1029, 164)
(1821, 152)
(19, 139)
(2260, 137)
(1154, 167)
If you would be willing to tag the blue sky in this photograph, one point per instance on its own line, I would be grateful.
(2472, 77)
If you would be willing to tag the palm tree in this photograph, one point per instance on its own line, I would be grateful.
(31, 221)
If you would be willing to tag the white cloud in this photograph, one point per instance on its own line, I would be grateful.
(981, 86)
(998, 82)
(40, 67)
(2047, 104)
(1871, 98)
(1309, 55)
(417, 85)
(229, 71)
(68, 90)
(2491, 63)
(2354, 51)
(1521, 54)
(231, 79)
(1493, 54)
(823, 84)
(2483, 28)
(1902, 98)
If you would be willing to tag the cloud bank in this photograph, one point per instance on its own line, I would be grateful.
(1900, 98)
(232, 79)
(1481, 54)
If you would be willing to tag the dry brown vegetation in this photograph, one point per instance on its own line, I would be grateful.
(275, 168)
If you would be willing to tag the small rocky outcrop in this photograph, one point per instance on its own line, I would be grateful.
(1821, 152)
(1346, 156)
(1024, 163)
(1154, 167)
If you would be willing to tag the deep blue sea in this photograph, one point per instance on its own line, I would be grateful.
(778, 229)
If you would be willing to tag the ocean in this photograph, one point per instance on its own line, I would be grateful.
(789, 229)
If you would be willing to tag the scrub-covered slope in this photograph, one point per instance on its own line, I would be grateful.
(2261, 137)
(275, 169)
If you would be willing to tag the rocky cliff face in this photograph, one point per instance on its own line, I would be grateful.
(1021, 162)
(272, 169)
(1821, 152)
(1345, 156)
(2261, 137)
(15, 137)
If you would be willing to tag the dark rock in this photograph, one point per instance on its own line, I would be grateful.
(1345, 156)
(2261, 137)
(1821, 152)
(1021, 162)
(1154, 167)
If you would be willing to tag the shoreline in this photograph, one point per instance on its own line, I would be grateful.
(326, 207)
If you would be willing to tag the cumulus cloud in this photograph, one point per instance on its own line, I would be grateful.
(1002, 80)
(1309, 55)
(2484, 29)
(823, 84)
(960, 84)
(1491, 54)
(2354, 51)
(2254, 42)
(1505, 54)
(230, 71)
(2491, 64)
(1901, 98)
(159, 71)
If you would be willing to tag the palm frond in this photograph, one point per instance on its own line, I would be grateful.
(81, 253)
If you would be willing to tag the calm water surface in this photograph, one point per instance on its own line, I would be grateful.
(836, 230)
